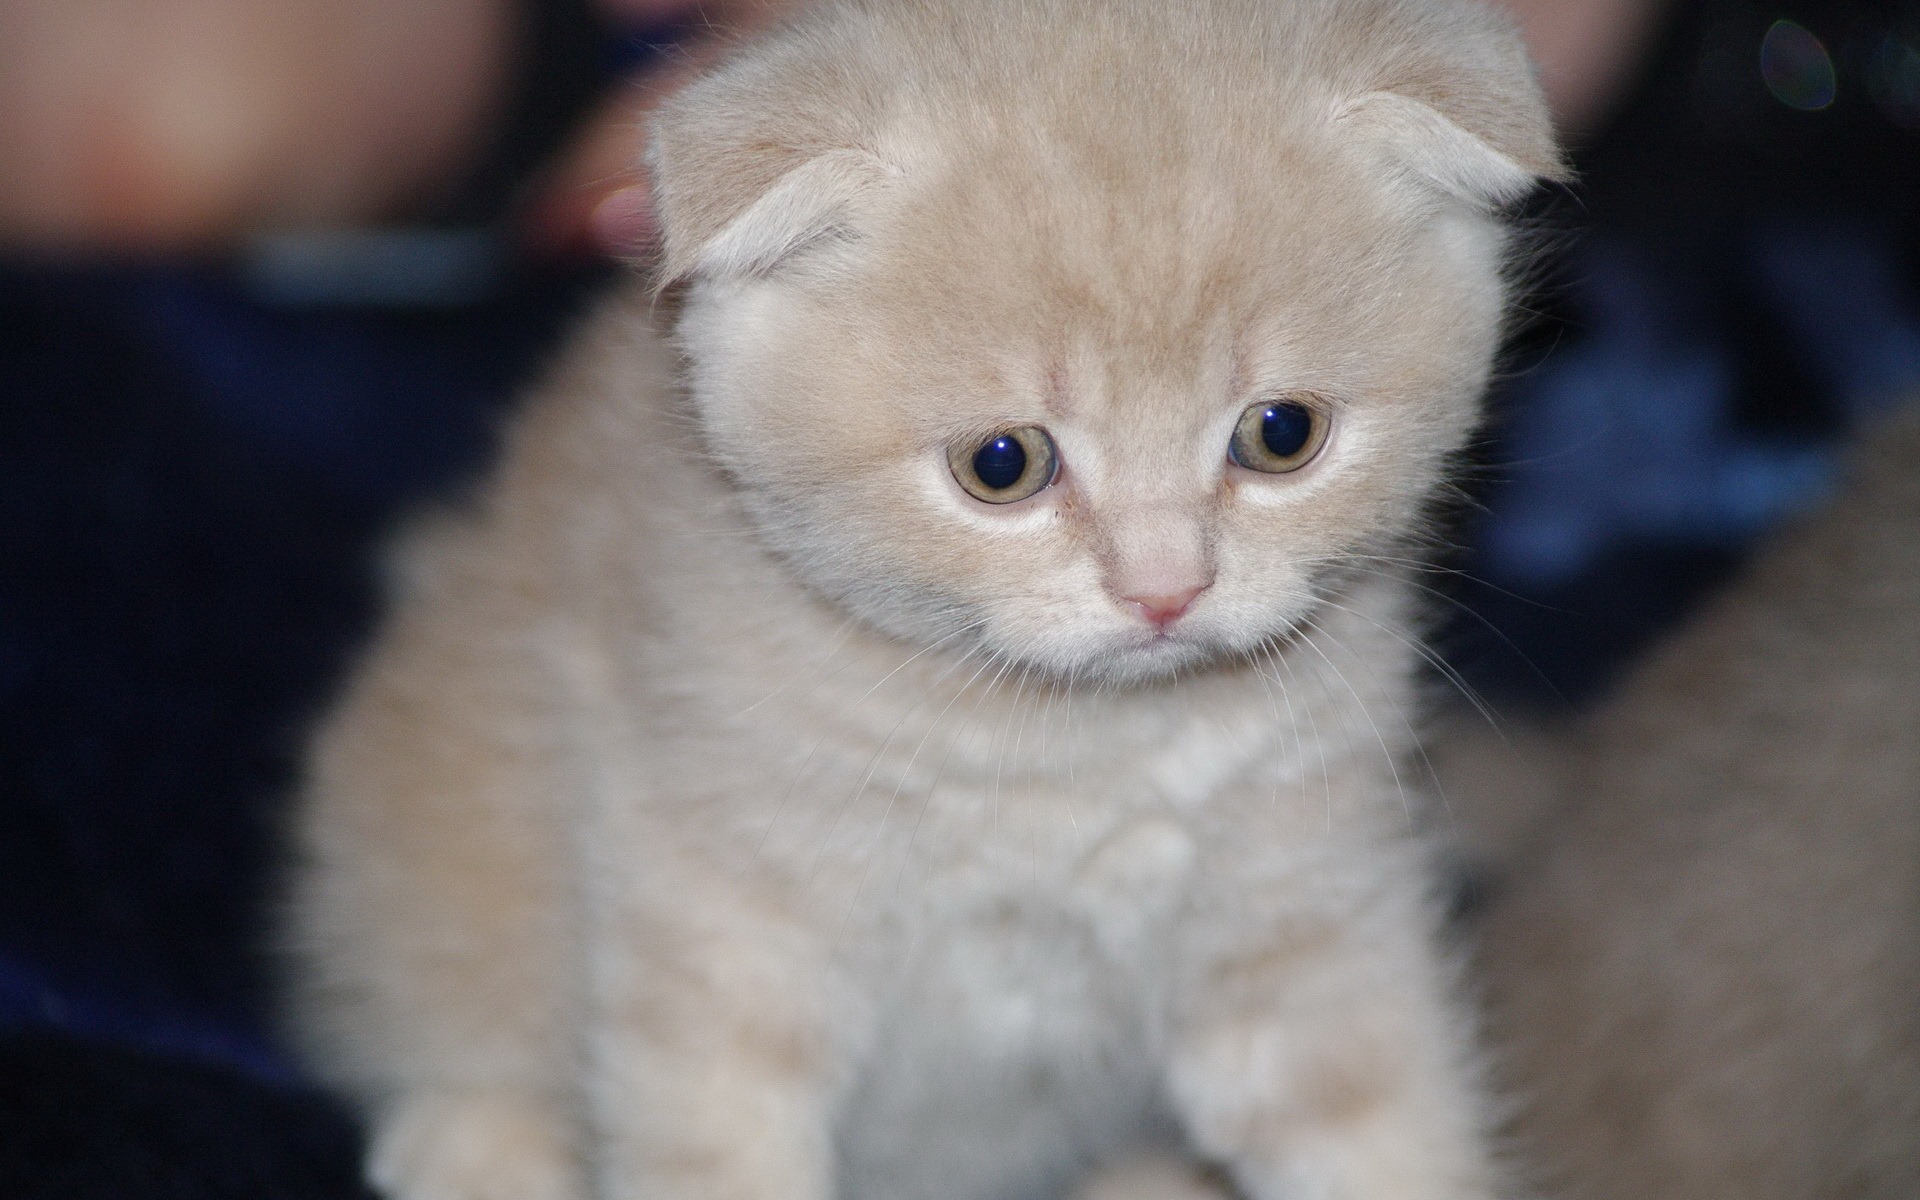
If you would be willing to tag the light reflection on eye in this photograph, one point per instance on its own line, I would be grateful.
(1007, 466)
(1797, 68)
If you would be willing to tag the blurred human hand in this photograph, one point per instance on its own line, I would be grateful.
(1586, 51)
(183, 125)
(163, 125)
(595, 197)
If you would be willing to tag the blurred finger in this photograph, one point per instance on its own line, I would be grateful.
(595, 198)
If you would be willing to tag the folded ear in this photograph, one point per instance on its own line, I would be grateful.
(1460, 109)
(760, 161)
(817, 201)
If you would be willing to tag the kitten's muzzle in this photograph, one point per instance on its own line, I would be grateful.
(1161, 611)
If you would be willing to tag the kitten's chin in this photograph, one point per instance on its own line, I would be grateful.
(1159, 661)
(1134, 658)
(1123, 662)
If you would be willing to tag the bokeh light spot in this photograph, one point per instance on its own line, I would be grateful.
(1798, 70)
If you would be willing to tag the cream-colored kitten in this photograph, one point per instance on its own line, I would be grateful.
(939, 732)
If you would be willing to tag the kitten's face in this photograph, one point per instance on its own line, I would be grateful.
(1105, 429)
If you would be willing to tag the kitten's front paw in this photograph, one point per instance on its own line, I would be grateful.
(1155, 1177)
(473, 1145)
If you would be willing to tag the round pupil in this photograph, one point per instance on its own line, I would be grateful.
(1286, 429)
(1000, 463)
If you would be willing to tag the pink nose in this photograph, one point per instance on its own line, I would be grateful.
(1162, 611)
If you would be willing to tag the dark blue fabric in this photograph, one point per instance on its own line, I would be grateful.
(192, 492)
(95, 1121)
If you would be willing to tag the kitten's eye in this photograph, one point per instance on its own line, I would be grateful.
(1277, 436)
(1008, 466)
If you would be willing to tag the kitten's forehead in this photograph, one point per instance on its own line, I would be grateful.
(1132, 300)
(1135, 393)
(1177, 254)
(1202, 226)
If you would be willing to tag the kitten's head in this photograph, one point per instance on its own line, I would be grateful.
(1098, 335)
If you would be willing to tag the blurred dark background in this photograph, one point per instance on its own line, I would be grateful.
(200, 455)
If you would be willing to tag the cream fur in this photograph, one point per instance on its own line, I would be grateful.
(734, 809)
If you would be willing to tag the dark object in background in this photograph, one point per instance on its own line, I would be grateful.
(1740, 292)
(192, 497)
(91, 1122)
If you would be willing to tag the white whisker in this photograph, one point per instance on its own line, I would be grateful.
(926, 805)
(1393, 766)
(840, 641)
(873, 762)
(906, 773)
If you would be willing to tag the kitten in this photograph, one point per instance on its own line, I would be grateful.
(1706, 961)
(935, 730)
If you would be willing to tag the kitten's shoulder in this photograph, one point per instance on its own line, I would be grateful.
(587, 448)
(607, 407)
